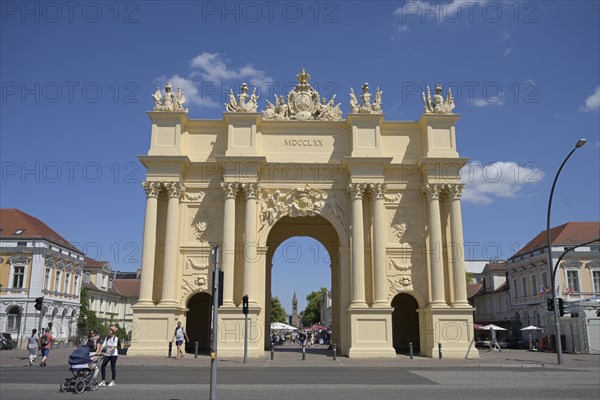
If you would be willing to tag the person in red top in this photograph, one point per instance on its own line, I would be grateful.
(46, 345)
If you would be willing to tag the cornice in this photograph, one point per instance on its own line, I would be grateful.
(162, 160)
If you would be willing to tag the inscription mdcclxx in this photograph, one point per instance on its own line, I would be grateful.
(303, 142)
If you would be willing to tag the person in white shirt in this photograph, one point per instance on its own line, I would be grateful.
(111, 353)
(179, 335)
(33, 343)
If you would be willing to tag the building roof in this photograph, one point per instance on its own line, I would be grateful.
(91, 264)
(12, 220)
(473, 289)
(127, 287)
(496, 266)
(568, 234)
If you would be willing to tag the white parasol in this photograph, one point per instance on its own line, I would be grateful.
(530, 328)
(493, 327)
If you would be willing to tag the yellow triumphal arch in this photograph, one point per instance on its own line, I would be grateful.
(382, 196)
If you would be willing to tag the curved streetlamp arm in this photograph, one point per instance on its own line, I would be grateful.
(565, 253)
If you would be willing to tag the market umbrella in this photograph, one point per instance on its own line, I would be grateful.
(478, 327)
(530, 328)
(279, 326)
(493, 327)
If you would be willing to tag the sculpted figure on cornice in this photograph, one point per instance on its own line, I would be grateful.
(366, 107)
(244, 102)
(400, 284)
(169, 101)
(298, 202)
(437, 104)
(192, 285)
(303, 104)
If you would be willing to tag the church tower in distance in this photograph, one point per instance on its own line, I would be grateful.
(295, 318)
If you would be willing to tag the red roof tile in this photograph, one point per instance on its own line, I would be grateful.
(90, 263)
(568, 234)
(12, 219)
(127, 287)
(473, 289)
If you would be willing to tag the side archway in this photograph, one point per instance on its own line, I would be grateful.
(405, 323)
(198, 321)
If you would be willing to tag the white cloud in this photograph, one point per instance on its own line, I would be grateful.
(503, 37)
(481, 102)
(211, 71)
(507, 51)
(502, 179)
(592, 103)
(212, 67)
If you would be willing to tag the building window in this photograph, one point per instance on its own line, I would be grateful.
(573, 281)
(87, 277)
(545, 280)
(57, 282)
(75, 285)
(596, 280)
(534, 286)
(19, 232)
(524, 285)
(515, 289)
(13, 319)
(68, 283)
(47, 279)
(18, 276)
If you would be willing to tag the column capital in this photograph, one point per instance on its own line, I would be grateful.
(377, 190)
(356, 190)
(251, 190)
(151, 188)
(174, 189)
(432, 191)
(230, 189)
(455, 190)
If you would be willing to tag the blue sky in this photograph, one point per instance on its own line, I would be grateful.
(77, 79)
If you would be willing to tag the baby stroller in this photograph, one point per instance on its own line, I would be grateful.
(84, 369)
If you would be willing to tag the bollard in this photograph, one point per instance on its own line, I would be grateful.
(272, 351)
(410, 350)
(303, 352)
(334, 352)
(170, 349)
(196, 349)
(440, 350)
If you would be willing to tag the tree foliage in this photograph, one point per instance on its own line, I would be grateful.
(87, 318)
(277, 312)
(312, 313)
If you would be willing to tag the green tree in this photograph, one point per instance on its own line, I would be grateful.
(277, 312)
(87, 318)
(312, 313)
(470, 277)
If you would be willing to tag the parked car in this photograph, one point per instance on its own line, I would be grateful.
(6, 342)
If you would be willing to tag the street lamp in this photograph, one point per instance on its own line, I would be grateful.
(559, 356)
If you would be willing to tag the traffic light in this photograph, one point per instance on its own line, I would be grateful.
(39, 301)
(561, 307)
(245, 304)
(550, 303)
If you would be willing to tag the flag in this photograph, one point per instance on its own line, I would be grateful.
(541, 291)
(547, 290)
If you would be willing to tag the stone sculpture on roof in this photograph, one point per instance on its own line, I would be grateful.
(437, 104)
(303, 103)
(244, 102)
(366, 107)
(170, 101)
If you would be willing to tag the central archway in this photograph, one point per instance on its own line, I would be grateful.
(198, 322)
(320, 229)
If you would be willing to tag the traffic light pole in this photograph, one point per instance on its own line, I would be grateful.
(215, 321)
(245, 311)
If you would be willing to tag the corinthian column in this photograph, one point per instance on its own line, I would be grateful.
(458, 247)
(149, 247)
(379, 244)
(435, 246)
(250, 245)
(358, 246)
(228, 248)
(174, 190)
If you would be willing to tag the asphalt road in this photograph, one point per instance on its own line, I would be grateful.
(178, 383)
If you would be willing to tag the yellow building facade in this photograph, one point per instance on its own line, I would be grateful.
(383, 197)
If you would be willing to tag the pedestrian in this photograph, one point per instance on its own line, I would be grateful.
(179, 336)
(46, 344)
(33, 343)
(94, 343)
(111, 353)
(494, 342)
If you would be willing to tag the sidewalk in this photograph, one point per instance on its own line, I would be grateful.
(318, 356)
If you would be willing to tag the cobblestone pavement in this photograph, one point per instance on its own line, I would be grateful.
(319, 356)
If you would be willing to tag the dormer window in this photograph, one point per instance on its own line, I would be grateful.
(19, 231)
